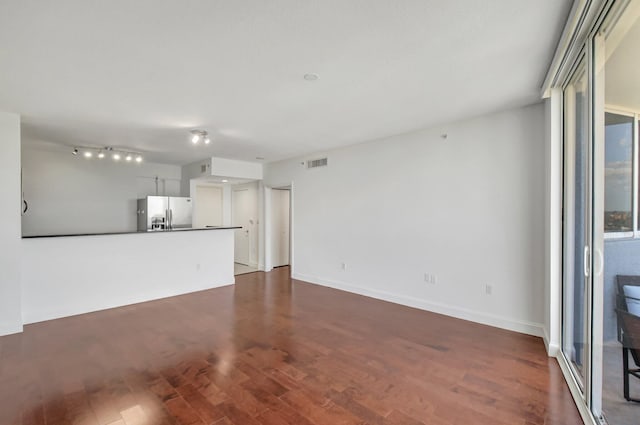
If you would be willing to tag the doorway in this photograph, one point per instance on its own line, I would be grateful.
(242, 218)
(280, 227)
(244, 213)
(601, 231)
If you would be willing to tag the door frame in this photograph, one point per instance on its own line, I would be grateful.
(273, 236)
(568, 230)
(582, 33)
(268, 227)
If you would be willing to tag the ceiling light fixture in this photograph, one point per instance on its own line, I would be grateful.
(224, 181)
(198, 136)
(101, 152)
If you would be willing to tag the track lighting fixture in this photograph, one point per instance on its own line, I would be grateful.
(100, 153)
(198, 136)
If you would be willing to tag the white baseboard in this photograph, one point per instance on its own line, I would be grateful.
(529, 328)
(552, 349)
(9, 329)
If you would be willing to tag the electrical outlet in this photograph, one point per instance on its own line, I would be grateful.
(198, 266)
(343, 266)
(488, 289)
(430, 278)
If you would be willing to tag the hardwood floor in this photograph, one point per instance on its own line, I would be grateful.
(274, 351)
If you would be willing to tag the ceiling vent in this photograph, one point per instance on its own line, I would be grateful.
(315, 163)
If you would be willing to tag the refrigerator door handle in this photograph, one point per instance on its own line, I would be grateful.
(170, 219)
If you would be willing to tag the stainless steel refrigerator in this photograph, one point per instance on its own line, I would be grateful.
(164, 213)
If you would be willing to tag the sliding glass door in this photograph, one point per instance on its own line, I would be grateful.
(577, 227)
(601, 127)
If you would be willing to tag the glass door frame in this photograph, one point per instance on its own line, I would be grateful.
(583, 37)
(583, 385)
(593, 53)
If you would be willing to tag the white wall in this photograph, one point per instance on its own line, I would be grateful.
(468, 209)
(70, 194)
(10, 243)
(226, 205)
(236, 169)
(193, 171)
(78, 274)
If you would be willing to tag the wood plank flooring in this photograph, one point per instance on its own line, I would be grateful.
(274, 351)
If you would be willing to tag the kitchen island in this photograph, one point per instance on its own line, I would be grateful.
(190, 229)
(64, 275)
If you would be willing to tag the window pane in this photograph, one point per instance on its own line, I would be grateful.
(618, 198)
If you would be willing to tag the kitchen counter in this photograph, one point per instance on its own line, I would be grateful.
(133, 233)
(62, 276)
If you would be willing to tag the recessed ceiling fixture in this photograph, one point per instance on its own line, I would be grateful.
(198, 136)
(311, 77)
(224, 180)
(116, 154)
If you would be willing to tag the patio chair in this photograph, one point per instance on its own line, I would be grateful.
(622, 281)
(621, 298)
(629, 325)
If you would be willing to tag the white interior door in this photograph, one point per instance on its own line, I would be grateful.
(242, 217)
(208, 206)
(280, 204)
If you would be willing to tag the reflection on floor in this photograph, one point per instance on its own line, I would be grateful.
(616, 409)
(242, 269)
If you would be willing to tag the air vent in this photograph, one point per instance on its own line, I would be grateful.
(315, 163)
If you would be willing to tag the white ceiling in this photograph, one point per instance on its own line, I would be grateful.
(140, 74)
